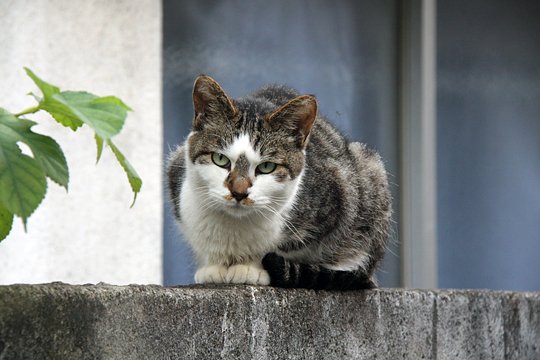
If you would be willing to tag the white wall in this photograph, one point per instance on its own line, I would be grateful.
(107, 48)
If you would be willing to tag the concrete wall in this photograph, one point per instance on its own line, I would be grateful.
(105, 47)
(111, 322)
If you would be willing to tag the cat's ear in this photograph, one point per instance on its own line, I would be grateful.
(298, 116)
(209, 99)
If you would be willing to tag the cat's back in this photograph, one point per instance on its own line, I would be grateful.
(337, 169)
(276, 94)
(344, 201)
(324, 136)
(326, 143)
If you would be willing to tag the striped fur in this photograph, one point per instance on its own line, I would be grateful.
(287, 274)
(319, 220)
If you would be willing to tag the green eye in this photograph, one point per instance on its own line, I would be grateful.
(266, 167)
(220, 160)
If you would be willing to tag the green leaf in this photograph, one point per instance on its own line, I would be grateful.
(22, 180)
(105, 115)
(46, 151)
(47, 89)
(73, 109)
(57, 110)
(6, 221)
(99, 144)
(22, 183)
(113, 100)
(61, 114)
(134, 180)
(49, 156)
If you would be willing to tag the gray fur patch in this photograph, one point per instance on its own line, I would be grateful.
(343, 207)
(175, 175)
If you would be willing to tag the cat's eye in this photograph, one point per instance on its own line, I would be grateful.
(266, 167)
(220, 160)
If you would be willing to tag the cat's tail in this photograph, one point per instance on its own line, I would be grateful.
(287, 274)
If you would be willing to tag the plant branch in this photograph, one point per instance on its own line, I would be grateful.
(31, 110)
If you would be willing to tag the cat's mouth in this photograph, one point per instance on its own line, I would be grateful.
(246, 201)
(238, 207)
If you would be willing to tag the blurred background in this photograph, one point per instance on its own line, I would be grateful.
(447, 91)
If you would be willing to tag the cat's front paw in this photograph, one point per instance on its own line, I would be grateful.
(213, 274)
(252, 274)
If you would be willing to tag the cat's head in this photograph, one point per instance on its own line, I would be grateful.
(246, 156)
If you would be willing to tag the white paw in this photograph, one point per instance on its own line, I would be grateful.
(213, 274)
(252, 274)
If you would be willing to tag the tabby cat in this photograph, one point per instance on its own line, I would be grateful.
(267, 192)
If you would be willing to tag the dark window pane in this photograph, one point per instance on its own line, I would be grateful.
(489, 144)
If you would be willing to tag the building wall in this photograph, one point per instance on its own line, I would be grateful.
(108, 48)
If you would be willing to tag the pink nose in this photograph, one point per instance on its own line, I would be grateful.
(238, 186)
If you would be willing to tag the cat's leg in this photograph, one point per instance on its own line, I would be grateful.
(211, 274)
(251, 273)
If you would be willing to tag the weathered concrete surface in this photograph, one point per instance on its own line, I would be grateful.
(60, 321)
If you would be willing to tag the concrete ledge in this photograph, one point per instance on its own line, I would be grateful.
(59, 321)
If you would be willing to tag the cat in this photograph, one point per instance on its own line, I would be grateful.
(268, 192)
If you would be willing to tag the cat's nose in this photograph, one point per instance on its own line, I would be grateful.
(239, 196)
(238, 186)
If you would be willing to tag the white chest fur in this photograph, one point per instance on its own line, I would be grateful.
(222, 231)
(219, 238)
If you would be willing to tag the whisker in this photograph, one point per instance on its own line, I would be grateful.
(287, 223)
(210, 205)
